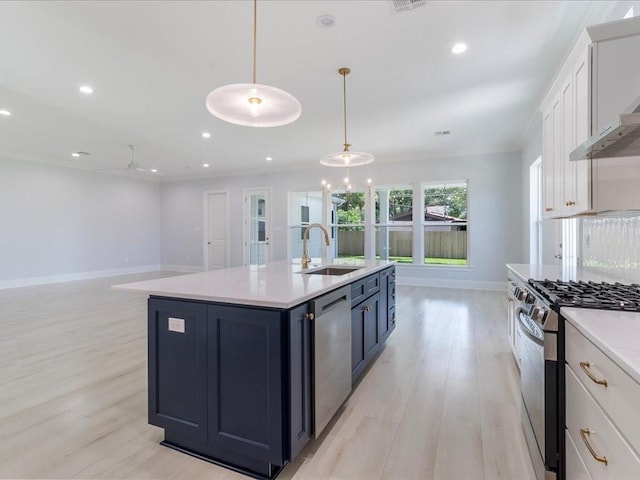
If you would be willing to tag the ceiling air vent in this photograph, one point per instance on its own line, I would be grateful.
(404, 5)
(442, 132)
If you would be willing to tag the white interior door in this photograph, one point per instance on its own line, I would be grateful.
(257, 225)
(216, 231)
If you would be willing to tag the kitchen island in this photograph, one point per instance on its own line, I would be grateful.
(231, 354)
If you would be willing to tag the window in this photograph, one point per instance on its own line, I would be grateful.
(347, 224)
(445, 224)
(304, 208)
(394, 223)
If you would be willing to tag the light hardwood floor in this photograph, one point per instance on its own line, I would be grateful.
(440, 402)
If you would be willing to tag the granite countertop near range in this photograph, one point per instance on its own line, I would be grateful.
(276, 284)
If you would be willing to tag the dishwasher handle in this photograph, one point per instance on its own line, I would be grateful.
(330, 301)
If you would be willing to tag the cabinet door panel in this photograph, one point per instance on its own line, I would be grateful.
(547, 164)
(177, 366)
(357, 342)
(383, 310)
(300, 378)
(371, 331)
(582, 131)
(245, 388)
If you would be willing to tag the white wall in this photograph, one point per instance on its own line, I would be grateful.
(530, 153)
(60, 224)
(495, 206)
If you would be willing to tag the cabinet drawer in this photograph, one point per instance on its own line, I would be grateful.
(619, 398)
(576, 469)
(364, 288)
(605, 440)
(392, 294)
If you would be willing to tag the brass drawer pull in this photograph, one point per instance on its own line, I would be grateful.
(585, 368)
(584, 433)
(367, 308)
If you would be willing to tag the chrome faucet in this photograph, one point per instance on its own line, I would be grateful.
(306, 259)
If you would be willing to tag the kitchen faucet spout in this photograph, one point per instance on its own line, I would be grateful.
(306, 259)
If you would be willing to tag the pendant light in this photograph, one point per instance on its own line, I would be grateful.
(346, 158)
(253, 104)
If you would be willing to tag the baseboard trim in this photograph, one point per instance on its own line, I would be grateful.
(70, 277)
(181, 268)
(442, 283)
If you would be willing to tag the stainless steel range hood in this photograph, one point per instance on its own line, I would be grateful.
(621, 138)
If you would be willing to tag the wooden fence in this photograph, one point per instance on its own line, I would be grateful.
(438, 244)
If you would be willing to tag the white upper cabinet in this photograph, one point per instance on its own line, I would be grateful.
(596, 83)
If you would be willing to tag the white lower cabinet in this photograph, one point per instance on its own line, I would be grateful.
(602, 421)
(512, 321)
(576, 469)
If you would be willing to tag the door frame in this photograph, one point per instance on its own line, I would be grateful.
(246, 214)
(205, 227)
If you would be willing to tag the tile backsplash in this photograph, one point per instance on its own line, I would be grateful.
(611, 245)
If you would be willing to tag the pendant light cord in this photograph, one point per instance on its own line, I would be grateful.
(344, 71)
(344, 105)
(255, 29)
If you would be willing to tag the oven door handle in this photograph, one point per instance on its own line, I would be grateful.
(524, 328)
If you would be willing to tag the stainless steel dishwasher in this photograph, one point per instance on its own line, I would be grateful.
(332, 354)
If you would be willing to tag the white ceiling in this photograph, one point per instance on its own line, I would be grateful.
(152, 63)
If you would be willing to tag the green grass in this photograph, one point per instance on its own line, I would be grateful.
(409, 260)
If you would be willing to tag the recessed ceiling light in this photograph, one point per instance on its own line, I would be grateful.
(458, 48)
(206, 135)
(326, 21)
(205, 165)
(154, 170)
(86, 89)
(75, 154)
(5, 112)
(268, 159)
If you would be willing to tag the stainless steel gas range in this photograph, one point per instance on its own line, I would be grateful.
(542, 357)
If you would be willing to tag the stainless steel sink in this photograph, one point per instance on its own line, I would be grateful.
(332, 270)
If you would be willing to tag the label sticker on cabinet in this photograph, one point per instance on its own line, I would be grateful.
(176, 325)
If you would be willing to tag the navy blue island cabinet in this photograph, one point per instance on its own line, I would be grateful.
(233, 384)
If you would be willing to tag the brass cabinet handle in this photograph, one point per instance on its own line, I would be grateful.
(585, 368)
(584, 433)
(367, 308)
(309, 316)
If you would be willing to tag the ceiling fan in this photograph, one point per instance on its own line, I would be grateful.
(132, 165)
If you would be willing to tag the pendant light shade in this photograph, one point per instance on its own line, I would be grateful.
(252, 104)
(346, 158)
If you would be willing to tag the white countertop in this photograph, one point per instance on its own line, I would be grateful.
(615, 333)
(276, 284)
(559, 272)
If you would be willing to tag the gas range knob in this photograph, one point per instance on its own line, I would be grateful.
(521, 294)
(529, 298)
(537, 314)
